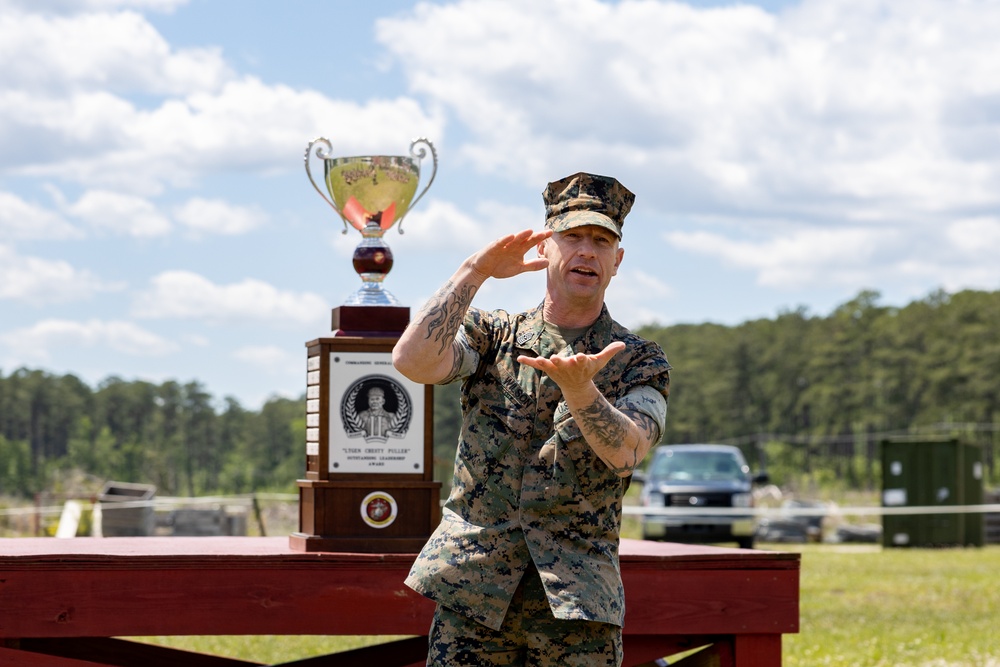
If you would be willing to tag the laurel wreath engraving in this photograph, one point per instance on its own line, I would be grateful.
(355, 426)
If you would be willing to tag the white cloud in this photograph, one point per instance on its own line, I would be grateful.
(196, 340)
(636, 297)
(120, 213)
(128, 112)
(74, 6)
(976, 237)
(960, 255)
(100, 50)
(855, 110)
(441, 225)
(269, 358)
(187, 295)
(34, 343)
(40, 281)
(797, 258)
(835, 145)
(21, 220)
(101, 140)
(215, 216)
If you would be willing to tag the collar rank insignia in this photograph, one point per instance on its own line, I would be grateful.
(525, 337)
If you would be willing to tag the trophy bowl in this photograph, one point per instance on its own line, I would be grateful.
(371, 193)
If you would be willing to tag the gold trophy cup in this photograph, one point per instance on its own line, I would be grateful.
(371, 193)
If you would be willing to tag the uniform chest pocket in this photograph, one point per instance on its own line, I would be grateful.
(499, 406)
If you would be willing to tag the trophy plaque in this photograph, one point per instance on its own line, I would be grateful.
(369, 482)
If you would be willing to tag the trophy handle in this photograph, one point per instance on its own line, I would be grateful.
(323, 155)
(420, 155)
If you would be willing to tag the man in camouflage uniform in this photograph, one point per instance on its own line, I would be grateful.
(559, 405)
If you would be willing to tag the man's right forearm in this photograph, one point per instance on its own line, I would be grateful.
(427, 352)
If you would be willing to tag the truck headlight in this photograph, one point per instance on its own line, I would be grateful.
(654, 500)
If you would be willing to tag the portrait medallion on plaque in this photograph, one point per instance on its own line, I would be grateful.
(380, 414)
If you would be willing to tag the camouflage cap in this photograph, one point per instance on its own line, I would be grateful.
(587, 199)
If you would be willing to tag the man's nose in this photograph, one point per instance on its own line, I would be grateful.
(586, 248)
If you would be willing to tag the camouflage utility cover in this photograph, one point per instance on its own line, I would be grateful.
(527, 487)
(587, 199)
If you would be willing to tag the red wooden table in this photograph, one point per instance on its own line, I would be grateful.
(64, 603)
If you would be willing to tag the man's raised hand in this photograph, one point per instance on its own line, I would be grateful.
(504, 257)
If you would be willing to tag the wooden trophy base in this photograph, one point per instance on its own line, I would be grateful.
(362, 516)
(365, 491)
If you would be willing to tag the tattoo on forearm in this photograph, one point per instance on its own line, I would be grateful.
(646, 424)
(608, 425)
(605, 422)
(456, 361)
(442, 314)
(611, 427)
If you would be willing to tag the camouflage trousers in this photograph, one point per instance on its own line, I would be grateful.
(529, 637)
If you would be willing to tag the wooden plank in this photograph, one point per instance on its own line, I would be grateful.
(246, 585)
(273, 551)
(66, 603)
(113, 603)
(121, 653)
(399, 653)
(673, 555)
(757, 651)
(201, 552)
(12, 657)
(711, 601)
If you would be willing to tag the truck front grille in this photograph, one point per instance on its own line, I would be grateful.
(700, 500)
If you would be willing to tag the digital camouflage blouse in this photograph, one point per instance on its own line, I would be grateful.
(526, 486)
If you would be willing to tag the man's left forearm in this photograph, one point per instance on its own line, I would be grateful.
(621, 438)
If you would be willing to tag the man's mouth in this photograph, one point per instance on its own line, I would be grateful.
(584, 271)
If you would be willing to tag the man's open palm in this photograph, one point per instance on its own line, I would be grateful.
(575, 371)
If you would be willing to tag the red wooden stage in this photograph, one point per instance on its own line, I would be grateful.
(65, 603)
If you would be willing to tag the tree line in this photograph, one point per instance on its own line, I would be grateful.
(818, 394)
(173, 435)
(803, 393)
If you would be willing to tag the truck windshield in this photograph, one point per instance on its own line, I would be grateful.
(698, 466)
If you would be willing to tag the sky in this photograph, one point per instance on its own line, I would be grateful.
(157, 222)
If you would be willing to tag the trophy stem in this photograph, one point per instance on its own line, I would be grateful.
(372, 261)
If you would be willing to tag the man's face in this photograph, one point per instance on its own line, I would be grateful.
(376, 399)
(582, 262)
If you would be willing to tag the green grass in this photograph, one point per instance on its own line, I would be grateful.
(877, 607)
(862, 606)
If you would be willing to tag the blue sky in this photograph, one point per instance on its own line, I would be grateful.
(156, 221)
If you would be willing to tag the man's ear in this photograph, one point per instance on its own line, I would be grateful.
(618, 260)
(541, 247)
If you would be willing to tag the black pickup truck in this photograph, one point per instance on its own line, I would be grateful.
(713, 478)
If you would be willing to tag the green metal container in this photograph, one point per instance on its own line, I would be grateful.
(934, 473)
